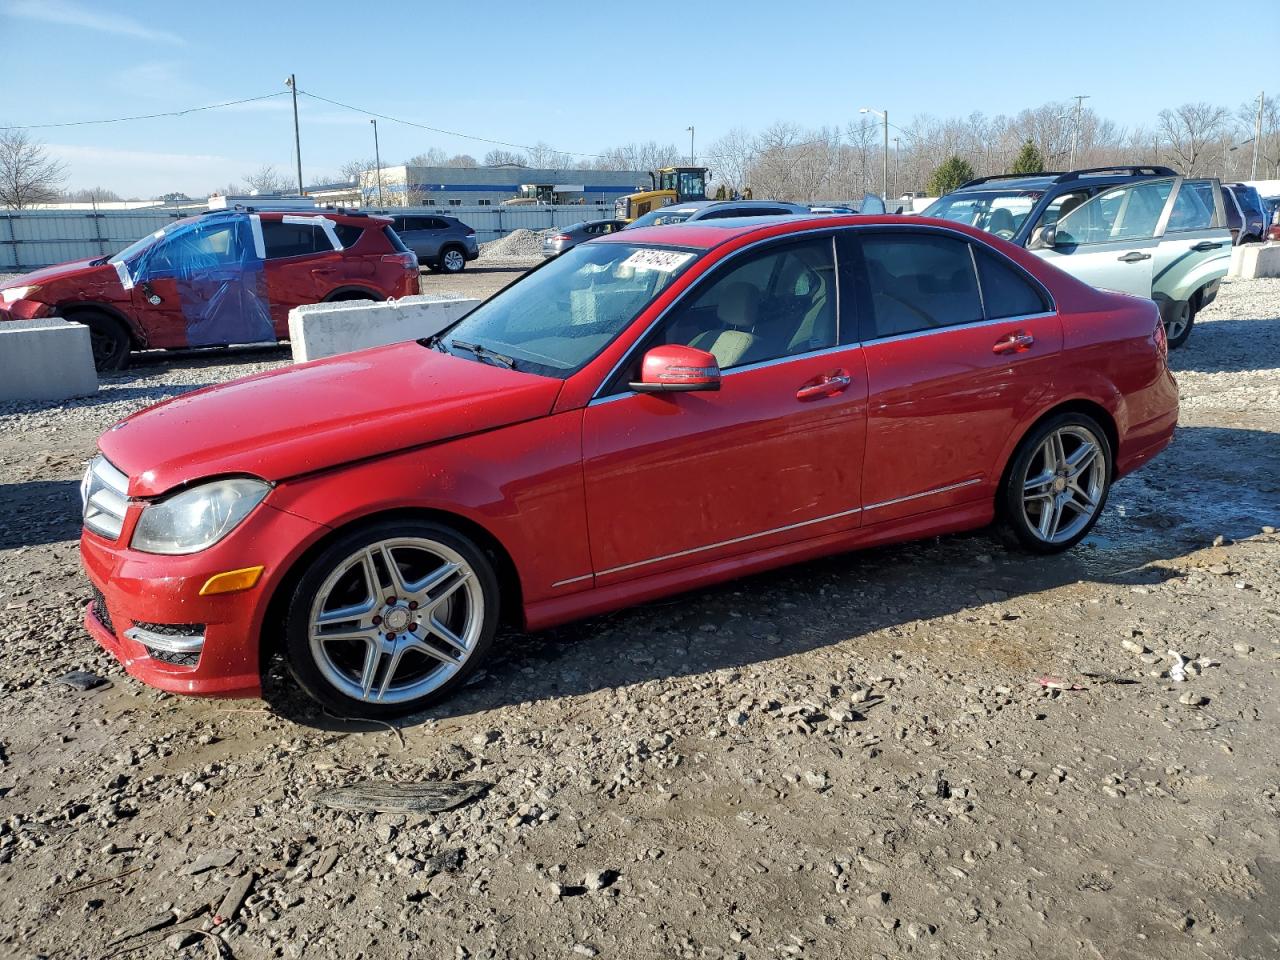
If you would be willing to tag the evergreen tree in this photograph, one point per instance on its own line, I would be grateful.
(1029, 160)
(953, 172)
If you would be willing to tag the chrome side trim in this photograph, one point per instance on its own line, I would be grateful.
(565, 583)
(170, 643)
(933, 331)
(746, 367)
(926, 493)
(730, 542)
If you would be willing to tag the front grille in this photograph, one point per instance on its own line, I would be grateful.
(101, 612)
(104, 497)
(176, 643)
(177, 659)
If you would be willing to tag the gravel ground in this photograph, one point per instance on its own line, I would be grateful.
(847, 758)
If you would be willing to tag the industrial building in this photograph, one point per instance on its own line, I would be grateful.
(489, 186)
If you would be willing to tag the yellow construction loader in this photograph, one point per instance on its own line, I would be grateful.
(669, 185)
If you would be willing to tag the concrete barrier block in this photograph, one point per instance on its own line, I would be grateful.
(1254, 260)
(46, 360)
(326, 329)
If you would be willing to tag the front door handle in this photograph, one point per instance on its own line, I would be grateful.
(1133, 256)
(826, 385)
(1018, 342)
(1204, 245)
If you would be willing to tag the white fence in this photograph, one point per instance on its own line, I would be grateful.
(38, 238)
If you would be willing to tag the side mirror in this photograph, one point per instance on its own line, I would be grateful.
(1046, 237)
(677, 368)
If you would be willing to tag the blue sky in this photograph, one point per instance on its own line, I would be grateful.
(579, 76)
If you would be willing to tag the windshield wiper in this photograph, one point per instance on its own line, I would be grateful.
(433, 342)
(484, 353)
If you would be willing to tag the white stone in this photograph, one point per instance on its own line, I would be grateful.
(326, 329)
(46, 360)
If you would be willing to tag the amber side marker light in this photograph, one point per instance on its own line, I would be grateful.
(231, 581)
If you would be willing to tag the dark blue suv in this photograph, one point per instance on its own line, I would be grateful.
(1013, 206)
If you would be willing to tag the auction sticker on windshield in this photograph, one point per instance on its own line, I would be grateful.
(663, 260)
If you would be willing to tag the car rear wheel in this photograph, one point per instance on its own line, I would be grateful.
(1058, 483)
(1178, 324)
(109, 339)
(390, 617)
(453, 260)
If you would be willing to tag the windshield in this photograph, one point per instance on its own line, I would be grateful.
(135, 248)
(998, 213)
(561, 315)
(661, 217)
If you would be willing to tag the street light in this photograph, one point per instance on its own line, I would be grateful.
(377, 159)
(884, 168)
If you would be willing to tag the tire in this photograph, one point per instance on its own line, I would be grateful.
(1046, 474)
(109, 339)
(1177, 326)
(391, 658)
(452, 260)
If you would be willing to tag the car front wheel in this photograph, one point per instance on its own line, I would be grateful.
(108, 338)
(1058, 483)
(390, 617)
(453, 260)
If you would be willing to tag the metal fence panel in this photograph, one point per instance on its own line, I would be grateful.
(38, 238)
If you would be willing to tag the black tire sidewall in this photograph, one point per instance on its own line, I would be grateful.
(101, 325)
(297, 645)
(1011, 494)
(1175, 343)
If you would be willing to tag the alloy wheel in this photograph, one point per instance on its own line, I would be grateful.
(454, 261)
(396, 620)
(1064, 483)
(1177, 324)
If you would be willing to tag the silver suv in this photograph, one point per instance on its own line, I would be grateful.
(1164, 237)
(441, 243)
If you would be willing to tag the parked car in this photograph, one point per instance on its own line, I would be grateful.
(1245, 213)
(609, 429)
(695, 210)
(1015, 206)
(1163, 238)
(441, 243)
(557, 242)
(219, 278)
(1272, 205)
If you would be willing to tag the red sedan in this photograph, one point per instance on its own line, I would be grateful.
(653, 411)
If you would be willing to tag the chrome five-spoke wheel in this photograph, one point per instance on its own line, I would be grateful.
(1059, 483)
(391, 620)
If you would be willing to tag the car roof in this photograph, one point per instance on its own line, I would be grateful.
(708, 234)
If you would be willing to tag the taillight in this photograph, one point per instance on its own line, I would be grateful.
(1162, 338)
(562, 236)
(470, 232)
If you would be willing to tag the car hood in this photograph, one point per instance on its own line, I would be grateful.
(319, 415)
(74, 270)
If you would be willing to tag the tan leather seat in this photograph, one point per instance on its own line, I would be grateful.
(737, 313)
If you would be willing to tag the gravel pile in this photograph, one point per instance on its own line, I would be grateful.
(519, 244)
(929, 750)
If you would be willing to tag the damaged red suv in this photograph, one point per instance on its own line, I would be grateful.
(650, 412)
(223, 277)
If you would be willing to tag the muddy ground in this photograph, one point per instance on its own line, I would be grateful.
(848, 758)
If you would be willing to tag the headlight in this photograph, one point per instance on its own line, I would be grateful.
(197, 518)
(14, 294)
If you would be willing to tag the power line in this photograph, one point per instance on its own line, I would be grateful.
(448, 133)
(145, 116)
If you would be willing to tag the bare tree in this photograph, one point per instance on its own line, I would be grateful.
(1191, 132)
(267, 179)
(432, 157)
(92, 195)
(351, 171)
(463, 160)
(731, 157)
(546, 157)
(498, 158)
(28, 175)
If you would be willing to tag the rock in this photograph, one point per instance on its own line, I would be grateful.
(81, 680)
(1134, 647)
(1244, 649)
(207, 861)
(234, 898)
(601, 879)
(737, 718)
(183, 938)
(373, 797)
(818, 781)
(1192, 699)
(586, 950)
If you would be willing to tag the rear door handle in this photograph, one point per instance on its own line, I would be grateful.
(1133, 256)
(1204, 245)
(1014, 343)
(825, 386)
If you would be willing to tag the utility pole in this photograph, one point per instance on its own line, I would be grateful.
(1257, 135)
(292, 84)
(1075, 130)
(377, 159)
(897, 164)
(692, 160)
(884, 163)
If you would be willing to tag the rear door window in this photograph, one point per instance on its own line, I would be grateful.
(348, 235)
(1192, 207)
(915, 282)
(282, 239)
(1006, 292)
(394, 239)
